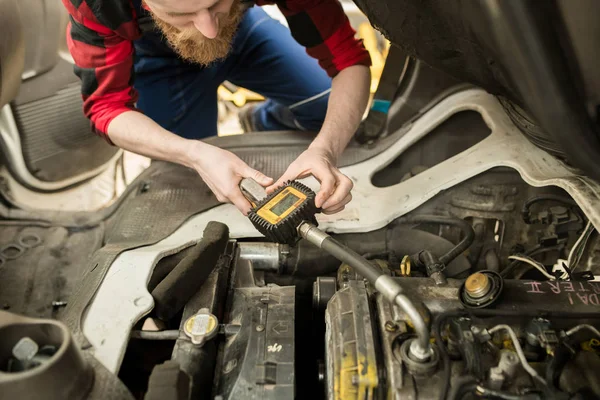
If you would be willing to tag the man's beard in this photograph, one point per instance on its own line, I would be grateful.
(193, 46)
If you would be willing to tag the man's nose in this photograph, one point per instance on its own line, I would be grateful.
(207, 23)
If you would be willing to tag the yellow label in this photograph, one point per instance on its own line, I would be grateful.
(281, 205)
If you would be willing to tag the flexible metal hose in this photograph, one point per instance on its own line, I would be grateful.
(387, 286)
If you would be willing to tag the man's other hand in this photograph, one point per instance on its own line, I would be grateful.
(223, 171)
(319, 162)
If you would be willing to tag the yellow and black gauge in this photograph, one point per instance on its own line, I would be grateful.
(278, 215)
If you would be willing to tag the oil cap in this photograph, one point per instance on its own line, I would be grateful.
(478, 285)
(201, 327)
(481, 289)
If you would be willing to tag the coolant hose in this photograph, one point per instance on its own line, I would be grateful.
(387, 286)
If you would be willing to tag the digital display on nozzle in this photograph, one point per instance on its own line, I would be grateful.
(289, 200)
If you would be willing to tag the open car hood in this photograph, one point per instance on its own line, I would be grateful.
(539, 56)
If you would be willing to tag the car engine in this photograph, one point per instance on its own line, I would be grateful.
(486, 264)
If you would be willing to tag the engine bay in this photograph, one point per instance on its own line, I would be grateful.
(494, 249)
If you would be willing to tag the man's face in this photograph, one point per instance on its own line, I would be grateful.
(201, 31)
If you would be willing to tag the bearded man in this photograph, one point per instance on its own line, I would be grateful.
(150, 70)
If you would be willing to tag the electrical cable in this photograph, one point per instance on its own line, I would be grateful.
(575, 254)
(442, 317)
(534, 264)
(534, 251)
(519, 351)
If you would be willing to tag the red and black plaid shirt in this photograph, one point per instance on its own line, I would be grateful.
(101, 35)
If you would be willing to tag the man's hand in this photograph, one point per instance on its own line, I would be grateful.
(319, 162)
(222, 171)
(347, 103)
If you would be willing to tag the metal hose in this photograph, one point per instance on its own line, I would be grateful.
(387, 286)
(156, 335)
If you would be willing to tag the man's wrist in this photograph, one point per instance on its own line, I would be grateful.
(192, 152)
(328, 144)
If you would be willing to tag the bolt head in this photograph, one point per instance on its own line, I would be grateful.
(391, 326)
(260, 328)
(25, 349)
(419, 353)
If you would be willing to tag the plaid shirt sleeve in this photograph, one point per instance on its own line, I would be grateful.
(103, 54)
(323, 28)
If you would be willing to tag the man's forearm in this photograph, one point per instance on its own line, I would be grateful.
(220, 169)
(135, 132)
(347, 103)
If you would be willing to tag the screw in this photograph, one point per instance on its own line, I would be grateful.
(391, 326)
(260, 328)
(57, 304)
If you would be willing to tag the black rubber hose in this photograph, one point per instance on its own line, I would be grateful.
(350, 257)
(462, 386)
(463, 225)
(305, 259)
